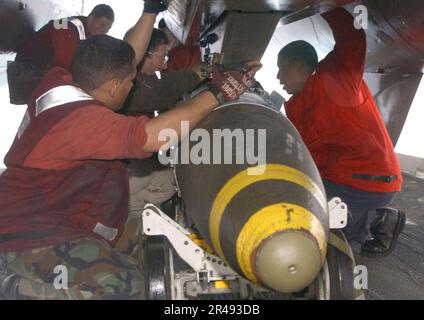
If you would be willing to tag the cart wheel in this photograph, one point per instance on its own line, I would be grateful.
(158, 268)
(341, 266)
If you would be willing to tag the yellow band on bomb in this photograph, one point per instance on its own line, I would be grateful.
(243, 180)
(271, 220)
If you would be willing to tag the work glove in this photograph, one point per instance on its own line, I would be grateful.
(228, 85)
(154, 6)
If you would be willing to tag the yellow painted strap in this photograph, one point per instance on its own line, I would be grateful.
(222, 285)
(243, 180)
(273, 219)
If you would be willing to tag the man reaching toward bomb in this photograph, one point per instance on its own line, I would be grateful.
(64, 194)
(339, 121)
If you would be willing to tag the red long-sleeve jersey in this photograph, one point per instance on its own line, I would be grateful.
(339, 120)
(54, 45)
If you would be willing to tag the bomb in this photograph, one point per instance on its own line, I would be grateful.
(268, 221)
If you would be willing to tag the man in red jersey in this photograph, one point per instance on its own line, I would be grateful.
(54, 45)
(339, 121)
(64, 232)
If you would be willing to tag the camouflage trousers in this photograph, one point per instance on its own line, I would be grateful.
(85, 268)
(90, 268)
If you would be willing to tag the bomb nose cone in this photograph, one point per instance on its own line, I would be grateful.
(288, 262)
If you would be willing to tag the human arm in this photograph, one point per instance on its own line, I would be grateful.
(350, 47)
(95, 132)
(90, 133)
(344, 66)
(192, 111)
(139, 37)
(230, 84)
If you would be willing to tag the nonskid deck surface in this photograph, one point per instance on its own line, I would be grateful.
(401, 275)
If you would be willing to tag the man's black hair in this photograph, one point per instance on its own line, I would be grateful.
(103, 11)
(299, 50)
(162, 24)
(101, 58)
(158, 37)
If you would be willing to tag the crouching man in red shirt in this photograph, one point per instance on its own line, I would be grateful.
(64, 195)
(53, 45)
(339, 121)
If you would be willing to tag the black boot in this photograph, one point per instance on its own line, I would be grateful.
(9, 281)
(385, 231)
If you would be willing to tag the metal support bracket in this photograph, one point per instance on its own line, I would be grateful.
(155, 222)
(337, 213)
